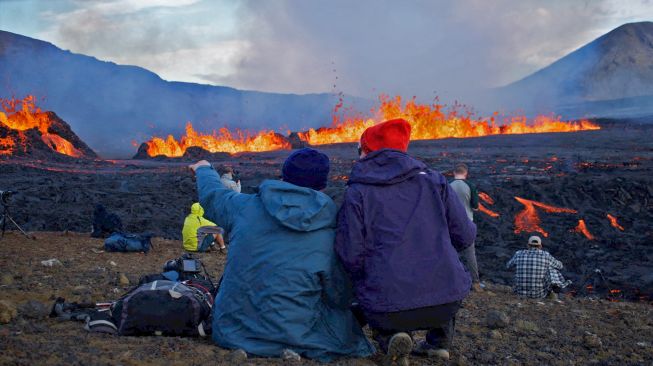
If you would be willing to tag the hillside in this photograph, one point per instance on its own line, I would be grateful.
(111, 105)
(615, 66)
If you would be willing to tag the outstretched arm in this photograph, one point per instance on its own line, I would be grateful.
(554, 262)
(220, 203)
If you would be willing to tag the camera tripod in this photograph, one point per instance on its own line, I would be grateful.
(6, 216)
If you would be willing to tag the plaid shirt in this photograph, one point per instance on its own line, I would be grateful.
(537, 270)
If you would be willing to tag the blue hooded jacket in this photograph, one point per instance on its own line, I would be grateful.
(282, 286)
(399, 231)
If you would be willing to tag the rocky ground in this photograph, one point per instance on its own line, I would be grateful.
(593, 172)
(494, 327)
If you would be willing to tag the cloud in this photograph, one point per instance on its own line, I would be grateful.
(364, 47)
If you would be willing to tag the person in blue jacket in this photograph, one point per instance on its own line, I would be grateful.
(399, 230)
(283, 288)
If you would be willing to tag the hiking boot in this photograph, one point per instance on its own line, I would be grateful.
(399, 348)
(424, 349)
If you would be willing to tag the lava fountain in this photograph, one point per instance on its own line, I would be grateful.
(23, 115)
(437, 121)
(428, 121)
(221, 141)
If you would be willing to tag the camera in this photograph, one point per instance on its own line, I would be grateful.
(184, 264)
(4, 197)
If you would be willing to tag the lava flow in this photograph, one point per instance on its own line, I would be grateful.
(486, 197)
(221, 141)
(435, 121)
(614, 223)
(582, 228)
(23, 115)
(528, 220)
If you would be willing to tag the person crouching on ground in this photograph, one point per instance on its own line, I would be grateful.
(399, 230)
(282, 290)
(538, 272)
(200, 234)
(468, 195)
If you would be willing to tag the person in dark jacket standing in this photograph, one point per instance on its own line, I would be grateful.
(399, 230)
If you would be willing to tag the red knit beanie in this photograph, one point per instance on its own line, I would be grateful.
(392, 134)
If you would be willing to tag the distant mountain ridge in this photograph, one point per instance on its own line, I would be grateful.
(615, 66)
(110, 106)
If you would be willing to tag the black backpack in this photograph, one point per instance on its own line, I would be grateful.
(158, 308)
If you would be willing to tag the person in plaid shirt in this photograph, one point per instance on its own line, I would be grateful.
(538, 272)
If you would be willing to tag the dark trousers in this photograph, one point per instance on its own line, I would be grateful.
(439, 321)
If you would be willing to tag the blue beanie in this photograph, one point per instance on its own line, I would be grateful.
(306, 168)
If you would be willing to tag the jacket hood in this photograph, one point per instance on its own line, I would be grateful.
(196, 209)
(385, 167)
(297, 208)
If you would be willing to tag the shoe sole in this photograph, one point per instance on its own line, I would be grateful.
(399, 349)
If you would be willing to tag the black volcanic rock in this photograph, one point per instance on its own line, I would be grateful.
(197, 153)
(142, 154)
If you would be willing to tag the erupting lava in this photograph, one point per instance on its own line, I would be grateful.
(614, 223)
(435, 121)
(221, 141)
(23, 115)
(429, 121)
(528, 221)
(582, 228)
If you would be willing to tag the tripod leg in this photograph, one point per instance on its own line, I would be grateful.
(18, 226)
(4, 225)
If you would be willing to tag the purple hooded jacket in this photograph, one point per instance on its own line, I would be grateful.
(399, 230)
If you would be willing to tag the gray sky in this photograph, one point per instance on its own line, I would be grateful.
(364, 47)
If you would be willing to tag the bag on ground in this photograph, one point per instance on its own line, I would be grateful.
(159, 308)
(123, 242)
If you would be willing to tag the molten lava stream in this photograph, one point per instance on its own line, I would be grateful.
(222, 141)
(528, 220)
(614, 223)
(582, 228)
(487, 211)
(435, 121)
(486, 197)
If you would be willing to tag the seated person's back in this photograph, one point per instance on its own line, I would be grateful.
(282, 287)
(199, 234)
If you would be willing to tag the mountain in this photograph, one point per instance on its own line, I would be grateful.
(110, 106)
(600, 78)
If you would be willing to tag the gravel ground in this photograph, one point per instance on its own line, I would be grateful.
(493, 328)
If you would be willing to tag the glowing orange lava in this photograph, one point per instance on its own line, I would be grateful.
(23, 115)
(614, 223)
(487, 211)
(487, 199)
(528, 220)
(436, 121)
(582, 228)
(221, 141)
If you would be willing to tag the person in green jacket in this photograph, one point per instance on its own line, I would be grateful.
(283, 291)
(200, 234)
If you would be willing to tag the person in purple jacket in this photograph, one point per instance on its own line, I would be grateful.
(399, 230)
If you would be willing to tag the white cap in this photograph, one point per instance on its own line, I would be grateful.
(535, 240)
